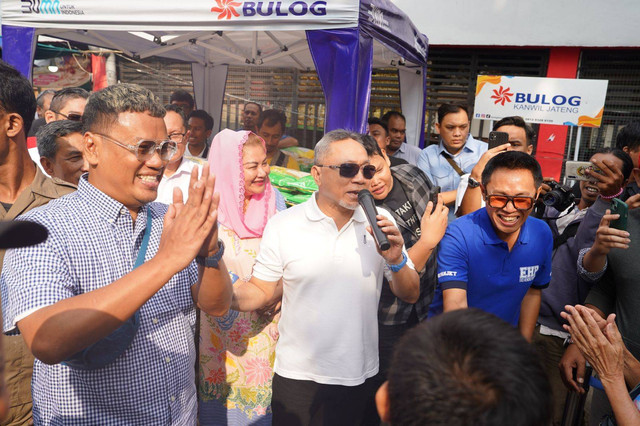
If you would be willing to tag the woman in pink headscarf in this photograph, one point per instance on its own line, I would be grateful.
(237, 351)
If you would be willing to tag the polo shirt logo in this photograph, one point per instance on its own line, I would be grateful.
(528, 273)
(447, 274)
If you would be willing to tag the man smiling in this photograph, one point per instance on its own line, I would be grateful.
(106, 304)
(498, 258)
(331, 271)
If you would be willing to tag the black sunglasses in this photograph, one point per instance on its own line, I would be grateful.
(71, 117)
(349, 170)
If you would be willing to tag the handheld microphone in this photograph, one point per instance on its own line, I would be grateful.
(365, 199)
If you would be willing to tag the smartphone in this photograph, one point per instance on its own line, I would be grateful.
(497, 139)
(576, 170)
(621, 208)
(433, 197)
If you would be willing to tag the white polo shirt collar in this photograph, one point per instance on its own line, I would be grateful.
(314, 213)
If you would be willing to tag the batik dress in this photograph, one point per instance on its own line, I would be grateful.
(237, 351)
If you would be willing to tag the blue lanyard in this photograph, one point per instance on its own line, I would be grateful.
(145, 242)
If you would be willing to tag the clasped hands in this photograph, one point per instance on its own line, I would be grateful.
(190, 228)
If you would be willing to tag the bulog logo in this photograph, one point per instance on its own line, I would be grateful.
(227, 9)
(503, 96)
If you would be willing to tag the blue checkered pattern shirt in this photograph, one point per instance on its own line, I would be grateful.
(92, 243)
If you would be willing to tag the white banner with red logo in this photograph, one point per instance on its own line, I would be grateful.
(565, 101)
(143, 15)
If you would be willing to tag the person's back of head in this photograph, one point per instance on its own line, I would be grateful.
(628, 140)
(465, 367)
(16, 96)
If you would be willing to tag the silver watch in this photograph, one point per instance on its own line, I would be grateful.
(473, 183)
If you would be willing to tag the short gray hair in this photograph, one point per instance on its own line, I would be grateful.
(47, 136)
(323, 146)
(104, 107)
(62, 96)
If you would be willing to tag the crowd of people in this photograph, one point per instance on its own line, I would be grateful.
(176, 287)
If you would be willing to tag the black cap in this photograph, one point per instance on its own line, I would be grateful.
(21, 233)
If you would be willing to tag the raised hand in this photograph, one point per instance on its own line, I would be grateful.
(608, 238)
(476, 172)
(394, 254)
(190, 228)
(434, 224)
(609, 179)
(598, 340)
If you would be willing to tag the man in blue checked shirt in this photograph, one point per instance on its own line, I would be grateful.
(107, 303)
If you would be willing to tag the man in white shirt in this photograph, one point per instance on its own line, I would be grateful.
(331, 272)
(178, 171)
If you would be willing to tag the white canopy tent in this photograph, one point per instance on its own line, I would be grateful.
(341, 39)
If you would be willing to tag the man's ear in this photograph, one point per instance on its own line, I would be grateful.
(49, 116)
(484, 192)
(15, 124)
(438, 128)
(47, 165)
(382, 402)
(529, 149)
(91, 149)
(315, 172)
(208, 133)
(538, 192)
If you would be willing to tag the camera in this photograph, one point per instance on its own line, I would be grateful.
(559, 197)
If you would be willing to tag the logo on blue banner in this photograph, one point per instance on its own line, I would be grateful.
(376, 16)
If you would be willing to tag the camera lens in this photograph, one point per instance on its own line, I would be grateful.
(551, 198)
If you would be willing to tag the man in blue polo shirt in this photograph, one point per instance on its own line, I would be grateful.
(498, 258)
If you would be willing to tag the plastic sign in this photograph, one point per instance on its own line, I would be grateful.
(565, 101)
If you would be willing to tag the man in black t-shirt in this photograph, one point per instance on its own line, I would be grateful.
(405, 191)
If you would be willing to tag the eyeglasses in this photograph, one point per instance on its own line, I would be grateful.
(501, 201)
(145, 149)
(71, 117)
(177, 137)
(349, 170)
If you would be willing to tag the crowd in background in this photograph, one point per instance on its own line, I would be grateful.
(176, 286)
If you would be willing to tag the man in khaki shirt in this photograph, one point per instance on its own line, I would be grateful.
(23, 187)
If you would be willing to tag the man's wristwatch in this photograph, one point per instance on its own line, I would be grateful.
(397, 267)
(212, 261)
(472, 183)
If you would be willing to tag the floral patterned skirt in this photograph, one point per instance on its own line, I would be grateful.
(237, 353)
